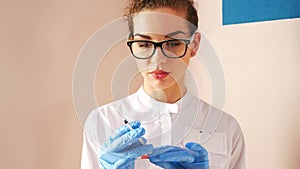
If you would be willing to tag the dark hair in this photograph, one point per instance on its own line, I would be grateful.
(136, 6)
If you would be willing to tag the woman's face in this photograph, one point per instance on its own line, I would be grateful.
(159, 71)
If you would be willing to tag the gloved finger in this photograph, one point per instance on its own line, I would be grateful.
(120, 159)
(120, 163)
(127, 139)
(133, 154)
(195, 146)
(108, 159)
(173, 156)
(198, 151)
(136, 144)
(114, 160)
(123, 163)
(137, 151)
(124, 129)
(163, 149)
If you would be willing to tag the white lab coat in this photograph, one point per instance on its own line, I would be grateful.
(189, 119)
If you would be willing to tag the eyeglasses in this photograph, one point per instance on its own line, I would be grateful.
(145, 49)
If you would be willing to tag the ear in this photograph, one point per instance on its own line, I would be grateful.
(130, 36)
(195, 43)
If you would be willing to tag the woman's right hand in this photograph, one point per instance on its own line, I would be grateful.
(123, 147)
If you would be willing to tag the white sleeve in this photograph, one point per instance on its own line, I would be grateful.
(89, 155)
(238, 157)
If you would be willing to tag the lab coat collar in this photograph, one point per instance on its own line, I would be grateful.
(147, 101)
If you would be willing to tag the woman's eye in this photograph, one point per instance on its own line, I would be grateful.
(173, 43)
(144, 44)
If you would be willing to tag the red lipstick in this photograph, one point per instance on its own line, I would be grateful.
(159, 74)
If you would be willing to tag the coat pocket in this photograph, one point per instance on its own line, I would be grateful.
(217, 161)
(215, 144)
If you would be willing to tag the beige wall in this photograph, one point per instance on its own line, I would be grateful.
(261, 63)
(40, 41)
(262, 71)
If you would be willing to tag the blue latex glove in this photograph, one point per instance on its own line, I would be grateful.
(171, 157)
(123, 147)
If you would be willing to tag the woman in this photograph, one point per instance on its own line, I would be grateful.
(162, 112)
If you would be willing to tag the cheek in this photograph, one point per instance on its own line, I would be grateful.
(142, 65)
(185, 60)
(178, 67)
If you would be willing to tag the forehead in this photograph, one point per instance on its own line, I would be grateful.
(160, 21)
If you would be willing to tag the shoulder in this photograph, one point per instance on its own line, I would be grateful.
(226, 124)
(223, 121)
(110, 108)
(103, 120)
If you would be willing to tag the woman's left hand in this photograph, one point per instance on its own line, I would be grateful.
(193, 156)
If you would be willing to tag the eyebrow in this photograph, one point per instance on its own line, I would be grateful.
(175, 33)
(143, 36)
(167, 36)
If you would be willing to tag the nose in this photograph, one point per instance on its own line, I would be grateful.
(158, 57)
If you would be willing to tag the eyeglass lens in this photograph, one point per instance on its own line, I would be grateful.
(171, 48)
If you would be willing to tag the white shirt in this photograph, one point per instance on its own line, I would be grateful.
(189, 119)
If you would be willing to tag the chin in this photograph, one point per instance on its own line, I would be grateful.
(159, 84)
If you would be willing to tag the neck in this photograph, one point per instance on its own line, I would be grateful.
(168, 95)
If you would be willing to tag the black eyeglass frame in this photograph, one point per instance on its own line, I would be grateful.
(159, 44)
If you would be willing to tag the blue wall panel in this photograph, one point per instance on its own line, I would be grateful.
(243, 11)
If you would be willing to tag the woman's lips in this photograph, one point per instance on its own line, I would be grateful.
(159, 74)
